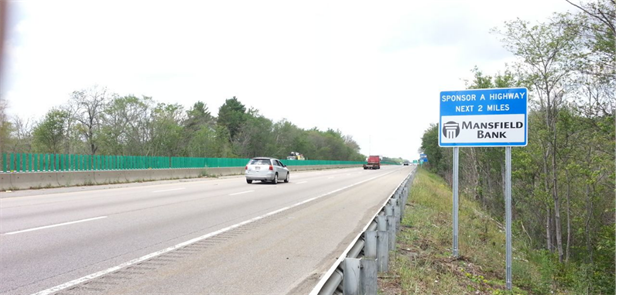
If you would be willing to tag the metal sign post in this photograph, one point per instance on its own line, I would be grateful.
(455, 203)
(508, 199)
(487, 118)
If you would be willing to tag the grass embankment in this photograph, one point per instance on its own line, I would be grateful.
(423, 264)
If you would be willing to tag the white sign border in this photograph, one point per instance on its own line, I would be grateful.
(488, 144)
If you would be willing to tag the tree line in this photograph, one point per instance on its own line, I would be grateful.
(97, 122)
(563, 182)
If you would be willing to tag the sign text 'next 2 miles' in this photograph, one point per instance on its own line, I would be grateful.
(483, 117)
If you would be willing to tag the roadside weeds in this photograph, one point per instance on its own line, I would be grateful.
(423, 263)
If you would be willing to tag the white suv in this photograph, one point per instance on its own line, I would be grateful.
(266, 170)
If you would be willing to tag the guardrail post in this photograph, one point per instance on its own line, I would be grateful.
(389, 210)
(351, 276)
(397, 214)
(391, 232)
(395, 203)
(382, 251)
(407, 196)
(404, 200)
(370, 244)
(402, 208)
(382, 223)
(368, 276)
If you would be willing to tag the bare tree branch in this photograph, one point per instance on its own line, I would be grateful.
(604, 19)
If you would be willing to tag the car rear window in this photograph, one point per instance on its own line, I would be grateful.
(260, 162)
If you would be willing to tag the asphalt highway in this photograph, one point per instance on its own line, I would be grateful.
(204, 236)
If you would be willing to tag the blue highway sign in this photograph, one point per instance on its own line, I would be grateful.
(483, 117)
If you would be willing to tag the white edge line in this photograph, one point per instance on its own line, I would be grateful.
(245, 192)
(184, 244)
(342, 257)
(169, 190)
(53, 225)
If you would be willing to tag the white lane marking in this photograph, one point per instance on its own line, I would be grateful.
(301, 182)
(169, 190)
(189, 242)
(330, 177)
(54, 225)
(245, 192)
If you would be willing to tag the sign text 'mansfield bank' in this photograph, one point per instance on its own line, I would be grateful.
(483, 117)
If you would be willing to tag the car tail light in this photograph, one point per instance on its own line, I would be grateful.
(271, 168)
(246, 167)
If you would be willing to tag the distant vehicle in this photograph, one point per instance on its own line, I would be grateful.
(406, 163)
(373, 162)
(266, 169)
(295, 156)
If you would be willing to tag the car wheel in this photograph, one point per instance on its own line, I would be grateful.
(287, 177)
(249, 181)
(276, 179)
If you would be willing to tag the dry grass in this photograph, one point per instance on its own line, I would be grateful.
(422, 262)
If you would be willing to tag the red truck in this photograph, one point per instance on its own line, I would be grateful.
(373, 162)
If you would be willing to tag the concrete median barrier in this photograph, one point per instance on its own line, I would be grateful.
(34, 180)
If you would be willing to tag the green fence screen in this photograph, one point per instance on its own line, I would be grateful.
(18, 162)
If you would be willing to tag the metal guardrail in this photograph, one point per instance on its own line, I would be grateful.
(355, 272)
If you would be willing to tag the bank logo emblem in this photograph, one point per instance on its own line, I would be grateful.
(451, 130)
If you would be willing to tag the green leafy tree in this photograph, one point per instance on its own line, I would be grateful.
(255, 136)
(202, 143)
(353, 149)
(434, 153)
(222, 143)
(126, 126)
(198, 117)
(287, 138)
(5, 127)
(167, 131)
(336, 145)
(199, 131)
(549, 54)
(597, 22)
(232, 115)
(49, 135)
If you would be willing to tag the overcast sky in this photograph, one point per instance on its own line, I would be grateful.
(371, 69)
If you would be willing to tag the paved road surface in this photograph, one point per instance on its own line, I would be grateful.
(207, 236)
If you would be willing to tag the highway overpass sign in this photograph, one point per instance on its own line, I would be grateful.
(483, 117)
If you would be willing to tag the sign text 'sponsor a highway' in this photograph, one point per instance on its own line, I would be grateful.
(483, 117)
